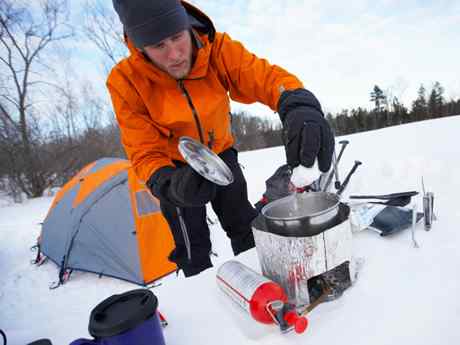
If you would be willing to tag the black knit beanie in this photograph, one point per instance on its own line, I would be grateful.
(148, 22)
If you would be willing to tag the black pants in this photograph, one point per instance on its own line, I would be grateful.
(235, 213)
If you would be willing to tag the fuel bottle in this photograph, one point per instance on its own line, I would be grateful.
(263, 299)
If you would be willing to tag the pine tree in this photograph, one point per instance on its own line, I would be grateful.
(378, 97)
(331, 120)
(456, 108)
(361, 117)
(420, 106)
(436, 101)
(400, 114)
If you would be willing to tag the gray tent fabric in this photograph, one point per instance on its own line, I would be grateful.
(99, 235)
(54, 237)
(105, 235)
(101, 163)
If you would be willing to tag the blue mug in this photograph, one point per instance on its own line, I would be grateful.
(127, 319)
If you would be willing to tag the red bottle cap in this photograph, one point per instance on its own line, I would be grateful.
(300, 323)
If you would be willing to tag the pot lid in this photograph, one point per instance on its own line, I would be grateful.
(205, 162)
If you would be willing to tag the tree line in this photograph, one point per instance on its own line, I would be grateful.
(51, 127)
(252, 132)
(389, 111)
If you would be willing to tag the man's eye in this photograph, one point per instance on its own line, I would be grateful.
(177, 37)
(159, 46)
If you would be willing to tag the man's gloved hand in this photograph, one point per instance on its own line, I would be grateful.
(306, 133)
(181, 186)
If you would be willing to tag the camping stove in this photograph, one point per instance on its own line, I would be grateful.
(295, 259)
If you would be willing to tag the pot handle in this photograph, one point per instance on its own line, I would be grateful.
(347, 179)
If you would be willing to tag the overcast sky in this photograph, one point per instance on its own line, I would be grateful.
(340, 50)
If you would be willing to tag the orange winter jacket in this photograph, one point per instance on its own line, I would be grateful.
(154, 110)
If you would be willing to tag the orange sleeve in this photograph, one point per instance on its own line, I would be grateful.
(146, 144)
(251, 79)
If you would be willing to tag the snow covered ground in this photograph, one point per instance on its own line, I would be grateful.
(403, 295)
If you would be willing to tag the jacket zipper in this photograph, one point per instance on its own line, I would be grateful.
(212, 139)
(200, 133)
(192, 107)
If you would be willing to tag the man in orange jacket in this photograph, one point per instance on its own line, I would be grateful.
(178, 81)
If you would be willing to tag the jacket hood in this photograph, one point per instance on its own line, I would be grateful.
(200, 21)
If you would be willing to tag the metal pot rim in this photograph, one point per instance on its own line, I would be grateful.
(311, 215)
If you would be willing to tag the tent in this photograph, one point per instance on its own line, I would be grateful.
(106, 221)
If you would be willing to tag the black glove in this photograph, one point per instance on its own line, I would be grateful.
(182, 186)
(306, 133)
(277, 186)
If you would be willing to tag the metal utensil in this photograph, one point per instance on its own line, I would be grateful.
(335, 172)
(428, 205)
(414, 222)
(393, 199)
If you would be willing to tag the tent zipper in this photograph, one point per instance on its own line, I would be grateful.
(192, 107)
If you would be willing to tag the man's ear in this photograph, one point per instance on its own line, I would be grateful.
(196, 40)
(144, 54)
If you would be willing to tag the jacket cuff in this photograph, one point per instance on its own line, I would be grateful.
(291, 99)
(159, 179)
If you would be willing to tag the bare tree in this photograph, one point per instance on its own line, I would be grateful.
(103, 28)
(83, 130)
(66, 112)
(253, 132)
(26, 32)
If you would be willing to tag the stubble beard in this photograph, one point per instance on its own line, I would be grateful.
(183, 72)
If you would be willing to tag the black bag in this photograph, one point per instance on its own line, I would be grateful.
(393, 219)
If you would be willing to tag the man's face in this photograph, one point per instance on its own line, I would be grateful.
(173, 55)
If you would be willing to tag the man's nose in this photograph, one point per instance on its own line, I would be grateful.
(174, 53)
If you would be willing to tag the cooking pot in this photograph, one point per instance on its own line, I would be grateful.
(302, 214)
